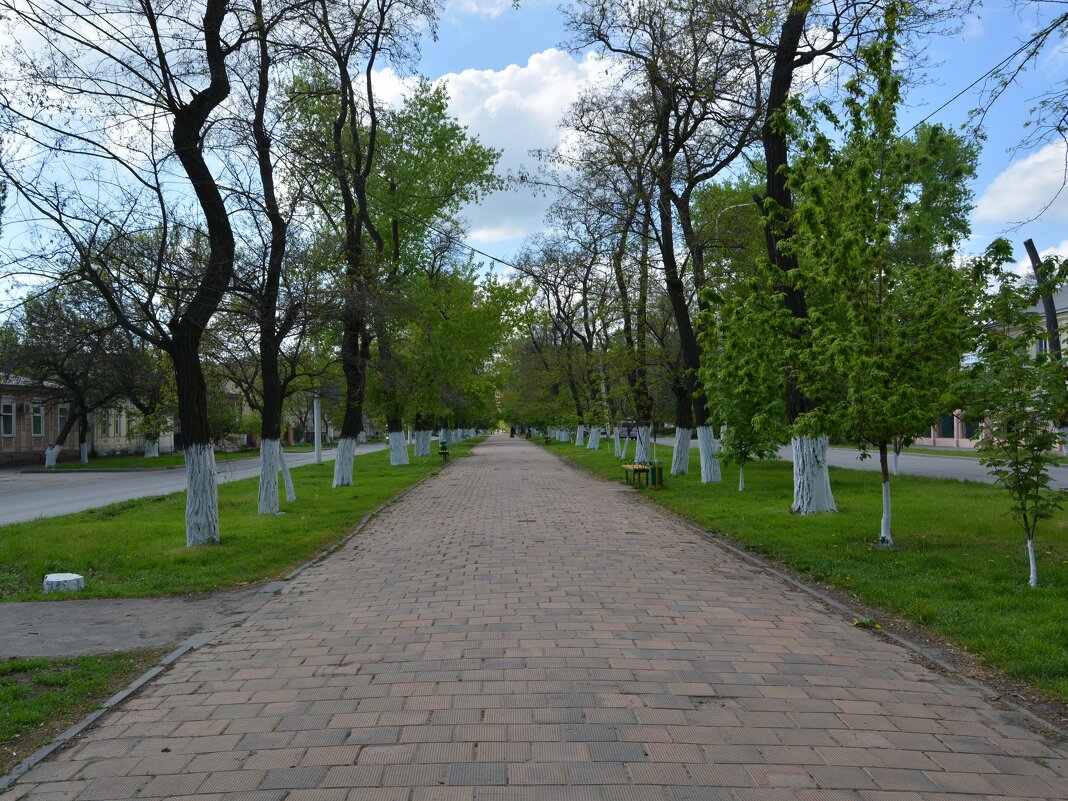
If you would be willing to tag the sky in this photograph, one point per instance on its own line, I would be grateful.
(510, 78)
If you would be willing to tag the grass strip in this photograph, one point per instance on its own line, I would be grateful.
(40, 698)
(958, 566)
(137, 548)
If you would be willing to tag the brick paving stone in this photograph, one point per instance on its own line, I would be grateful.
(548, 637)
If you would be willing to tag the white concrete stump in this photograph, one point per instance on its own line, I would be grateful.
(63, 582)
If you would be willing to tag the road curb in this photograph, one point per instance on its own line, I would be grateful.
(255, 602)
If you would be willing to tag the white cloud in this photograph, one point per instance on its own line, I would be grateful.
(1032, 187)
(480, 8)
(518, 109)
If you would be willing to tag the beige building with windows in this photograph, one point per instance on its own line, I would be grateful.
(114, 431)
(31, 416)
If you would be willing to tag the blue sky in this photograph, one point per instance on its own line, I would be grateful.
(510, 81)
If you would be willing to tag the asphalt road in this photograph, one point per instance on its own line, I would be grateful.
(25, 496)
(962, 468)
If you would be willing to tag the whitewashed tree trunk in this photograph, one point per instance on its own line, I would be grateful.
(398, 448)
(151, 448)
(741, 477)
(267, 503)
(708, 448)
(884, 532)
(617, 447)
(317, 422)
(422, 442)
(343, 456)
(641, 446)
(680, 459)
(623, 450)
(52, 455)
(443, 437)
(595, 439)
(580, 436)
(893, 463)
(83, 452)
(291, 493)
(812, 482)
(201, 496)
(1033, 580)
(361, 437)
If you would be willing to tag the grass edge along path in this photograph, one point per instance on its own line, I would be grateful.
(137, 548)
(958, 568)
(41, 698)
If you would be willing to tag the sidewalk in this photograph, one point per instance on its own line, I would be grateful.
(517, 630)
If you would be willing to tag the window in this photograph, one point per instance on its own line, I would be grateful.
(37, 418)
(946, 426)
(971, 430)
(7, 417)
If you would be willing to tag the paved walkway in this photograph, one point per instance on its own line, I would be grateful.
(516, 630)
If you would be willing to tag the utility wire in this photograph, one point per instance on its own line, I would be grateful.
(990, 72)
(451, 238)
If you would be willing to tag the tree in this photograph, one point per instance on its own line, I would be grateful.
(800, 36)
(67, 337)
(875, 230)
(349, 40)
(112, 108)
(702, 96)
(1017, 392)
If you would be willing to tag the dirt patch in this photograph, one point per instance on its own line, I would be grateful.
(107, 625)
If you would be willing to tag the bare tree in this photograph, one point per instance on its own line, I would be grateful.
(108, 122)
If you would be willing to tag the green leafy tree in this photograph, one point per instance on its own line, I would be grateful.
(1017, 391)
(876, 223)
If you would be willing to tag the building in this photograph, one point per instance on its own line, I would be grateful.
(31, 416)
(951, 431)
(114, 432)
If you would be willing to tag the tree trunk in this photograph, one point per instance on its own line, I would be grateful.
(641, 447)
(680, 460)
(812, 483)
(595, 439)
(151, 448)
(580, 435)
(741, 477)
(52, 455)
(398, 444)
(1032, 580)
(616, 445)
(291, 493)
(267, 503)
(885, 537)
(343, 458)
(623, 452)
(83, 437)
(708, 448)
(202, 496)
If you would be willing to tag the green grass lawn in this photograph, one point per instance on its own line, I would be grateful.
(40, 698)
(137, 548)
(958, 566)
